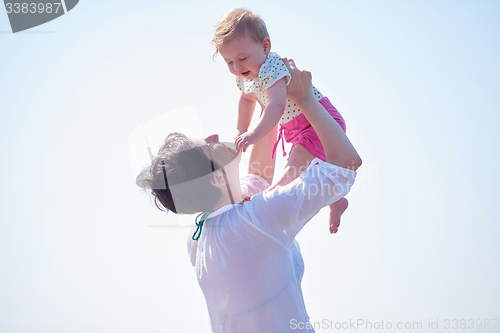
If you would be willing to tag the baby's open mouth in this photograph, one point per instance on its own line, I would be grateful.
(245, 73)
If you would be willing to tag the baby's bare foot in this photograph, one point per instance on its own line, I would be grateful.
(336, 210)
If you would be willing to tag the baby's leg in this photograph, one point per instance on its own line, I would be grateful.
(298, 161)
(336, 210)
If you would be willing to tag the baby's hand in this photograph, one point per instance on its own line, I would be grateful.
(238, 133)
(246, 139)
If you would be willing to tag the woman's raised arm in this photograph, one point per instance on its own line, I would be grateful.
(261, 162)
(338, 149)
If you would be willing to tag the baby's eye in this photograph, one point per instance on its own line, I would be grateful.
(229, 63)
(243, 59)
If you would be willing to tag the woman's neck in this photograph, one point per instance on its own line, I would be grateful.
(237, 197)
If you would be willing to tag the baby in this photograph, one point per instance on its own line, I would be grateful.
(242, 39)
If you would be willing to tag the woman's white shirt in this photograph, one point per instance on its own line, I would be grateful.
(247, 261)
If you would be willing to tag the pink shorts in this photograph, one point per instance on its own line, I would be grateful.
(300, 131)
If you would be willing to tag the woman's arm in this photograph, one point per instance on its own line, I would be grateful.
(338, 149)
(260, 162)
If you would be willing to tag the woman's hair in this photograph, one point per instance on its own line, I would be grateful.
(180, 177)
(237, 22)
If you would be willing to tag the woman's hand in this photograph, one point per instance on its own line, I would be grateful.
(300, 86)
(338, 149)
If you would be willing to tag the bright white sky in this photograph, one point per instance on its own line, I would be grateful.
(82, 249)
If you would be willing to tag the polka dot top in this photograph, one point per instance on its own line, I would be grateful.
(272, 70)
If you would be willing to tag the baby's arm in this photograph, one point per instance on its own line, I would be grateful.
(270, 116)
(246, 107)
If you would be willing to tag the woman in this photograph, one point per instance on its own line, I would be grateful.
(244, 252)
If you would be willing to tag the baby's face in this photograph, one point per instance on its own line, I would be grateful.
(244, 56)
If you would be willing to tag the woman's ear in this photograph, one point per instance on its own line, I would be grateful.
(266, 44)
(218, 178)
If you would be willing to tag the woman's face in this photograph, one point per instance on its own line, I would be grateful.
(226, 156)
(221, 153)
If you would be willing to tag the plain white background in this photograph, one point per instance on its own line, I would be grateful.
(417, 82)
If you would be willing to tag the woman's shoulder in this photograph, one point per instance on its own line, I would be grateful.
(253, 184)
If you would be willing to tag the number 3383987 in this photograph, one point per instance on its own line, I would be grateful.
(32, 8)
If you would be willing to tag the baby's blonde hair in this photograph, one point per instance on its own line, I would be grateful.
(237, 22)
